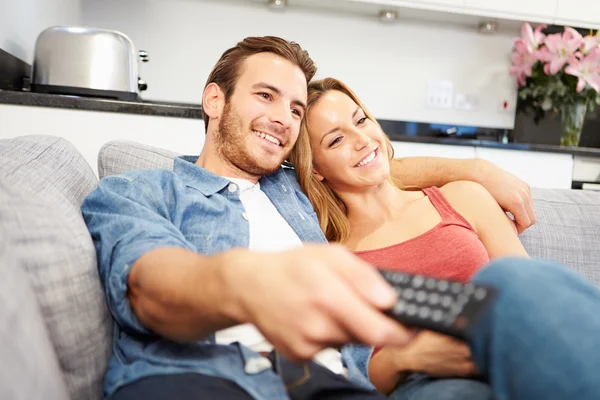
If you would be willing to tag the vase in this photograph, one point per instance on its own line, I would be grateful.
(572, 117)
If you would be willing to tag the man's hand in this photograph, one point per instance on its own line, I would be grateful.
(438, 355)
(510, 192)
(314, 297)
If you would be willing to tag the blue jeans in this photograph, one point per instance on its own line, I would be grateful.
(541, 339)
(423, 387)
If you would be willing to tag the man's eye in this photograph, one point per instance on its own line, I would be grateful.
(297, 112)
(335, 141)
(265, 96)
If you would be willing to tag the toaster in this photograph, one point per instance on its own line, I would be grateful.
(79, 61)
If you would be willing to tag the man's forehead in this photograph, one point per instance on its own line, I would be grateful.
(276, 71)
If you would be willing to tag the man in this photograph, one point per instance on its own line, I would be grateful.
(203, 266)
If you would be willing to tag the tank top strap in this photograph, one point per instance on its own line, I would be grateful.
(443, 207)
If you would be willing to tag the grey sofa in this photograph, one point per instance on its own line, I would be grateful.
(56, 331)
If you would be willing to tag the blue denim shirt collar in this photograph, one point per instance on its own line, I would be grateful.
(197, 177)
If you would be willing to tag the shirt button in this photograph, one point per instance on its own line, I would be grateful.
(284, 188)
(245, 216)
(257, 365)
(232, 187)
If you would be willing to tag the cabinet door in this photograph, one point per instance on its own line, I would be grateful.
(534, 10)
(540, 170)
(408, 149)
(578, 13)
(88, 131)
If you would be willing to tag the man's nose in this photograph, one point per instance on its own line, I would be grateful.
(281, 114)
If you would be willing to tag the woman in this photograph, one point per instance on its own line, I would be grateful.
(342, 159)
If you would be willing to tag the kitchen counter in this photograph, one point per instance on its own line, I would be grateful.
(157, 108)
(577, 151)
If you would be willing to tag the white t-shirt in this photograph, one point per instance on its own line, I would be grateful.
(269, 231)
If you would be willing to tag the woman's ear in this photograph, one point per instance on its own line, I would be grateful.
(213, 101)
(317, 175)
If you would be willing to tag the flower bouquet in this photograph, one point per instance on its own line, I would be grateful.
(557, 73)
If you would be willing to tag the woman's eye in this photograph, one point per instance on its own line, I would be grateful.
(362, 120)
(335, 141)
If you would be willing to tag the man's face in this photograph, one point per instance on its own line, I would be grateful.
(261, 121)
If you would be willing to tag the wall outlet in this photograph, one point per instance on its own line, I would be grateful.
(440, 94)
(464, 101)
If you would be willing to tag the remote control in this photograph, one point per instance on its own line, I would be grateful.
(444, 306)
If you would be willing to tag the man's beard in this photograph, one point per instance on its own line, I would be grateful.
(230, 143)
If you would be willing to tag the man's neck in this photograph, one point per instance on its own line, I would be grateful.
(210, 160)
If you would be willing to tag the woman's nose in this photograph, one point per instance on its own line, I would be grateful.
(362, 141)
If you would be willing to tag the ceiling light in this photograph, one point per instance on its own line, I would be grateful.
(277, 4)
(487, 27)
(388, 15)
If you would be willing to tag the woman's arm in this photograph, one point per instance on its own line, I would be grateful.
(510, 192)
(429, 352)
(387, 368)
(496, 230)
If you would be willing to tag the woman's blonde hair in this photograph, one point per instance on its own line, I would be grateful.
(331, 211)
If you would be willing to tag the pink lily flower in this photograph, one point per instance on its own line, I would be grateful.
(532, 39)
(559, 49)
(586, 68)
(522, 62)
(588, 43)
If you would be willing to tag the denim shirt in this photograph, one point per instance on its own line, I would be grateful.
(191, 208)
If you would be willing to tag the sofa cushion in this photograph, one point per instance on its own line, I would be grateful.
(30, 367)
(118, 156)
(567, 230)
(42, 182)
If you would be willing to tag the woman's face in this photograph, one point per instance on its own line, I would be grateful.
(349, 150)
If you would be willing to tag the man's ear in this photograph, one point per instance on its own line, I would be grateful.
(317, 175)
(213, 101)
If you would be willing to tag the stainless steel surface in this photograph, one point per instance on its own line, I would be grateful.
(86, 58)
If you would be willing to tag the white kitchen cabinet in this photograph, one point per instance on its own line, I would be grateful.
(409, 149)
(534, 10)
(578, 13)
(539, 169)
(88, 131)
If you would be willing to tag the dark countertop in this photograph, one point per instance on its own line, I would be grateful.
(194, 111)
(578, 151)
(157, 108)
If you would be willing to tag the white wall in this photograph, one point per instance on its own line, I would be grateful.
(389, 66)
(21, 21)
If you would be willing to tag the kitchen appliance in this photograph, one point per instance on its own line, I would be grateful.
(88, 62)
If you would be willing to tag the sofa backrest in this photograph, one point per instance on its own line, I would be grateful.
(567, 230)
(43, 181)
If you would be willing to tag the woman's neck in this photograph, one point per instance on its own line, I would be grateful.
(381, 202)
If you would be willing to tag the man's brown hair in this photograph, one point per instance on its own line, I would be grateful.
(227, 70)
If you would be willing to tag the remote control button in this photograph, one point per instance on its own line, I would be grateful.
(442, 285)
(418, 281)
(400, 307)
(480, 293)
(408, 294)
(434, 298)
(446, 301)
(456, 288)
(468, 289)
(430, 284)
(437, 315)
(424, 312)
(462, 299)
(456, 309)
(398, 290)
(411, 310)
(421, 296)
